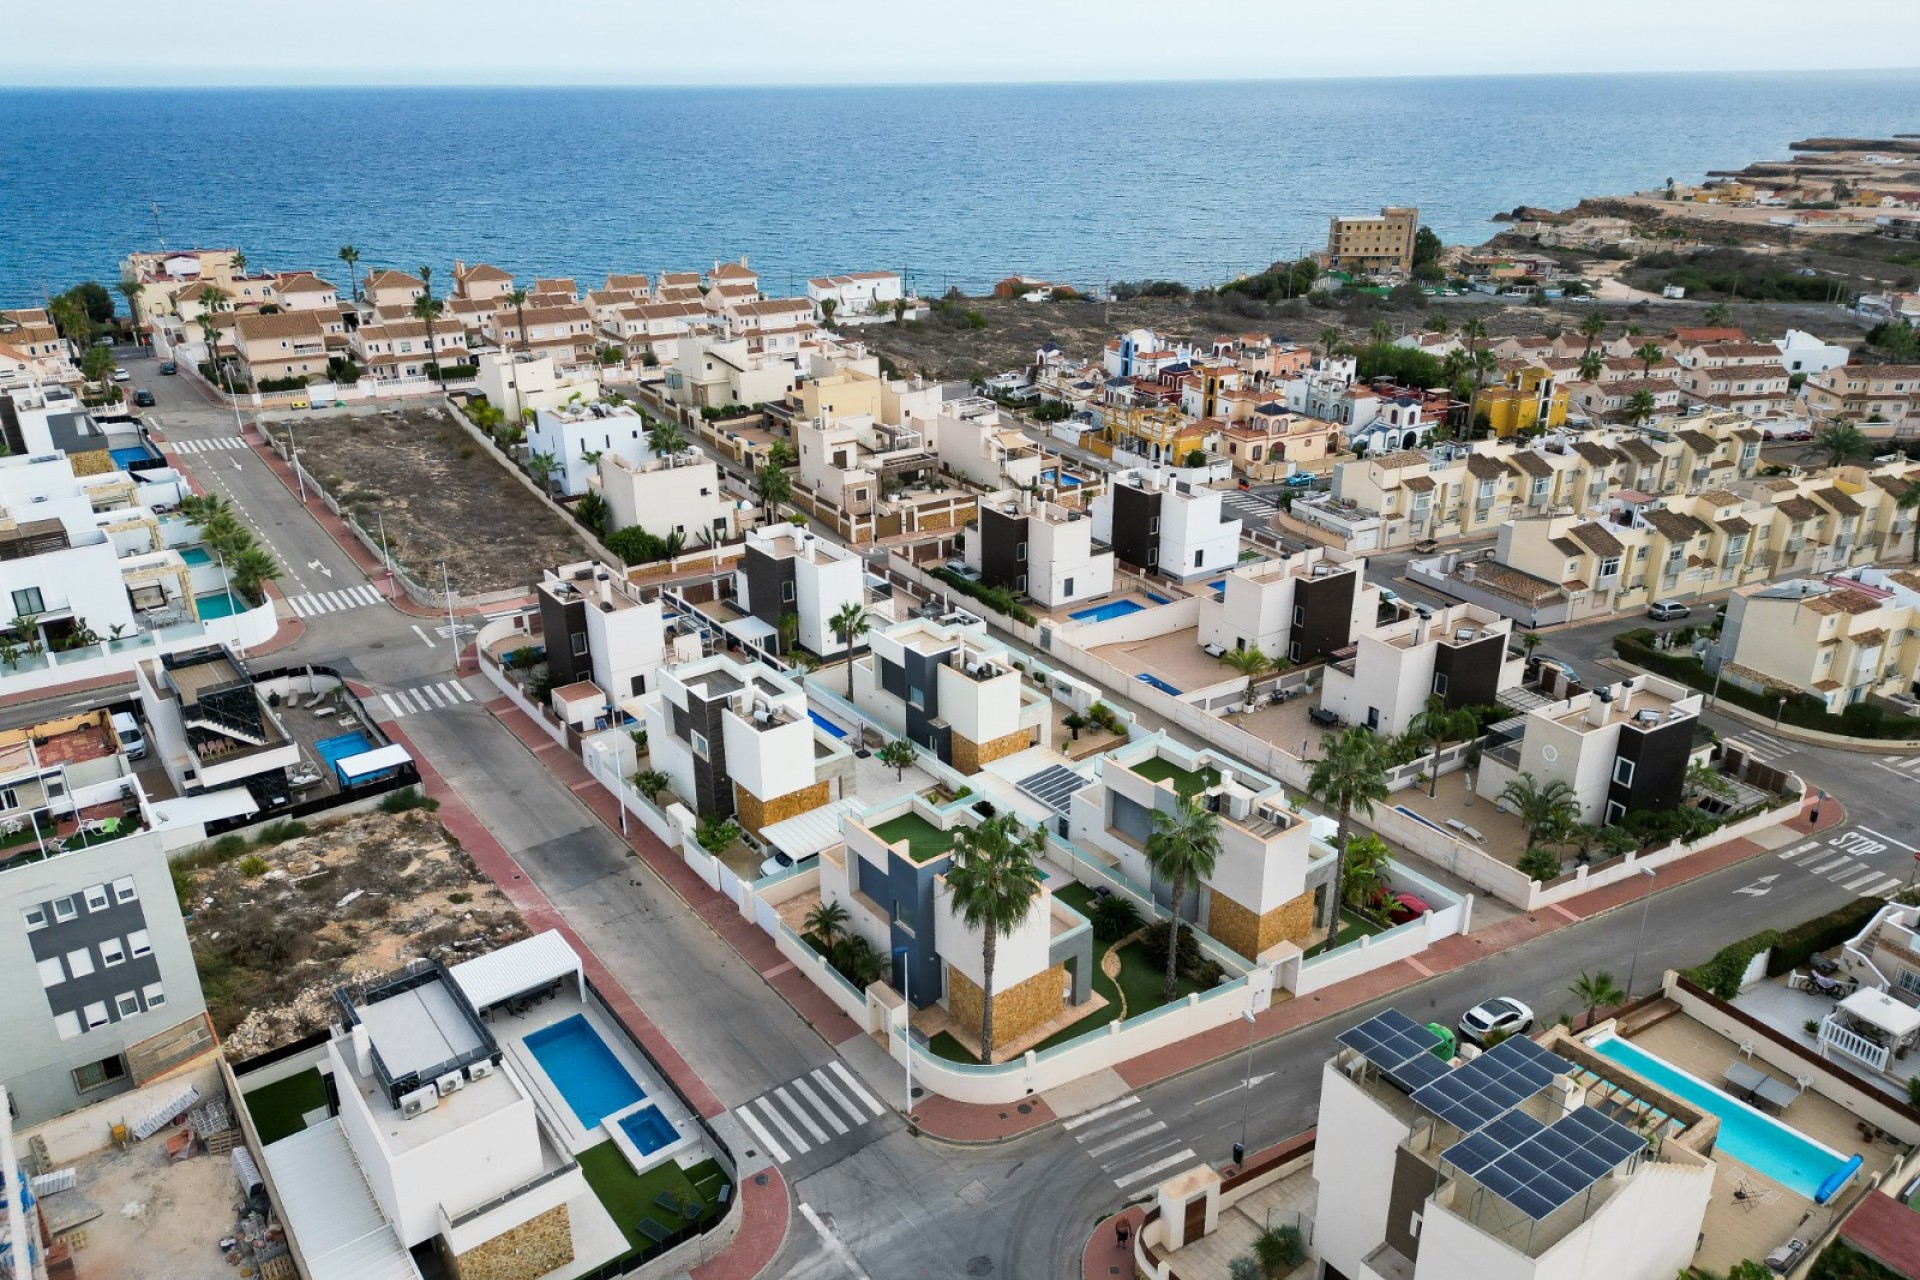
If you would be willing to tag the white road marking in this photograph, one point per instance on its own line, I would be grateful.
(392, 705)
(433, 696)
(826, 1112)
(424, 638)
(826, 1087)
(787, 1131)
(1090, 1116)
(1157, 1166)
(1825, 867)
(832, 1243)
(774, 1149)
(800, 1113)
(1890, 840)
(1135, 1136)
(1854, 886)
(1799, 849)
(461, 690)
(846, 1077)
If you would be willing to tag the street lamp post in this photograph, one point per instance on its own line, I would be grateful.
(293, 454)
(1646, 909)
(386, 560)
(453, 631)
(1780, 709)
(1246, 1103)
(906, 998)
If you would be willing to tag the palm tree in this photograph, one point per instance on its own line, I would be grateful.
(426, 281)
(1350, 775)
(1529, 641)
(826, 922)
(1590, 364)
(1249, 662)
(1329, 339)
(1592, 325)
(665, 440)
(1596, 991)
(1649, 354)
(541, 467)
(827, 308)
(780, 454)
(130, 290)
(1473, 331)
(239, 263)
(1546, 808)
(1482, 362)
(899, 755)
(1716, 315)
(1182, 849)
(994, 882)
(772, 486)
(1841, 443)
(351, 256)
(1639, 406)
(789, 629)
(517, 299)
(1438, 725)
(899, 310)
(251, 569)
(1380, 331)
(1909, 502)
(426, 309)
(850, 623)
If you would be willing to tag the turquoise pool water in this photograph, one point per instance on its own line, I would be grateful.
(217, 604)
(648, 1129)
(1750, 1136)
(1157, 683)
(1053, 476)
(1111, 609)
(585, 1071)
(196, 555)
(125, 458)
(826, 724)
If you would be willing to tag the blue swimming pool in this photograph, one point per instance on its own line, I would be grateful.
(218, 604)
(1750, 1136)
(1220, 587)
(1111, 609)
(647, 1129)
(585, 1071)
(125, 458)
(826, 724)
(1158, 598)
(1052, 475)
(196, 555)
(1157, 683)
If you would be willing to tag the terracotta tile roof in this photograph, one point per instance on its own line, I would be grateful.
(253, 327)
(1746, 435)
(1739, 350)
(1797, 508)
(1720, 498)
(1692, 337)
(1523, 588)
(1568, 547)
(669, 279)
(733, 271)
(1595, 537)
(1598, 454)
(628, 280)
(1777, 485)
(1419, 484)
(1906, 578)
(1846, 600)
(483, 271)
(1403, 458)
(1840, 503)
(1485, 467)
(1697, 441)
(303, 282)
(1532, 463)
(1736, 525)
(1640, 451)
(1886, 1231)
(1826, 686)
(394, 280)
(1868, 639)
(1675, 526)
(1894, 486)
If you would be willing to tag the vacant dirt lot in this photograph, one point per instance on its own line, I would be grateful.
(440, 493)
(351, 900)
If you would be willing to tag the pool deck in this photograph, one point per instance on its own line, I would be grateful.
(1736, 1230)
(1175, 657)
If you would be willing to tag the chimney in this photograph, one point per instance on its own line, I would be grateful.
(362, 1049)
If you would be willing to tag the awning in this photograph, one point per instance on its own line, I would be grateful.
(1882, 1010)
(749, 630)
(148, 595)
(324, 1198)
(208, 806)
(368, 763)
(812, 831)
(527, 965)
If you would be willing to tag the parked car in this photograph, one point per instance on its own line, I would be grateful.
(169, 368)
(1667, 610)
(1553, 664)
(776, 864)
(1322, 716)
(1300, 480)
(1502, 1015)
(132, 740)
(1401, 907)
(143, 398)
(1422, 610)
(1786, 1257)
(120, 374)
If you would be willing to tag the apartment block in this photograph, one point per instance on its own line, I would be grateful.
(709, 371)
(1528, 396)
(1264, 887)
(1842, 638)
(975, 444)
(1460, 654)
(575, 436)
(1883, 399)
(858, 293)
(952, 693)
(1373, 245)
(596, 627)
(680, 494)
(786, 569)
(1302, 607)
(1160, 523)
(1036, 548)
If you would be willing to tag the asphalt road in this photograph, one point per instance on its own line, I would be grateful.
(879, 1202)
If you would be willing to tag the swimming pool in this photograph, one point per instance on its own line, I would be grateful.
(1157, 598)
(1220, 587)
(1750, 1136)
(1053, 475)
(196, 555)
(217, 604)
(1111, 609)
(584, 1070)
(647, 1129)
(1157, 683)
(124, 458)
(826, 724)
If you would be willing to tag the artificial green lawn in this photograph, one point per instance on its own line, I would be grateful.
(924, 840)
(1185, 781)
(276, 1108)
(1351, 926)
(629, 1197)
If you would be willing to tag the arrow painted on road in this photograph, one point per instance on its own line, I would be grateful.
(1260, 1079)
(1759, 888)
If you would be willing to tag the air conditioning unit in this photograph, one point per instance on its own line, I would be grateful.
(479, 1070)
(450, 1082)
(419, 1102)
(1463, 635)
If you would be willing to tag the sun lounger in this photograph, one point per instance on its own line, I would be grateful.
(1477, 837)
(1757, 1086)
(652, 1230)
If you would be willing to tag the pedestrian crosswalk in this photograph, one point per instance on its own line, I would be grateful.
(206, 446)
(1763, 747)
(314, 603)
(1129, 1143)
(1249, 506)
(809, 1112)
(426, 697)
(1908, 765)
(1842, 861)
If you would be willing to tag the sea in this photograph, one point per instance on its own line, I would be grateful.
(1086, 184)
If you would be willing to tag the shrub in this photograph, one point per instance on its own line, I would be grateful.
(1192, 965)
(280, 832)
(1539, 864)
(459, 899)
(254, 865)
(1721, 975)
(1280, 1249)
(998, 599)
(411, 798)
(1114, 917)
(294, 383)
(1802, 709)
(1800, 943)
(456, 372)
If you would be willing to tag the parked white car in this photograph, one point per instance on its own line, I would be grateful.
(1502, 1015)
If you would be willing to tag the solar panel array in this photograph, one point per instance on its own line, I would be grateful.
(1472, 1096)
(1390, 1039)
(1053, 785)
(1537, 1172)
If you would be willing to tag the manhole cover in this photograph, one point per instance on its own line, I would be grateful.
(979, 1265)
(759, 1179)
(1025, 1108)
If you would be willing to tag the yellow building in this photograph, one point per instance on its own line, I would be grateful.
(1384, 243)
(1528, 395)
(1158, 435)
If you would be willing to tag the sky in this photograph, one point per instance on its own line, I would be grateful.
(851, 42)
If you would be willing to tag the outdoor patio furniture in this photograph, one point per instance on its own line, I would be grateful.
(652, 1230)
(1758, 1086)
(1477, 837)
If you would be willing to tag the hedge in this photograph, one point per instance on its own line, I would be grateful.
(1803, 709)
(1721, 975)
(1800, 943)
(294, 383)
(998, 599)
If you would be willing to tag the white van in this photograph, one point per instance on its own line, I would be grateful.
(132, 741)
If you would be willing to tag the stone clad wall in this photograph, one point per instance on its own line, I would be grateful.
(1016, 1010)
(532, 1249)
(968, 757)
(755, 813)
(1248, 934)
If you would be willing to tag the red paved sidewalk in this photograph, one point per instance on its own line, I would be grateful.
(1107, 1252)
(764, 1200)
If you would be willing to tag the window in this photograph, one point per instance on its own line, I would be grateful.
(1020, 552)
(112, 952)
(139, 944)
(1615, 812)
(95, 1014)
(36, 918)
(9, 799)
(917, 697)
(1153, 525)
(27, 600)
(67, 1024)
(1299, 615)
(97, 1075)
(51, 974)
(96, 897)
(1440, 683)
(1199, 559)
(127, 1004)
(700, 745)
(1623, 771)
(154, 996)
(123, 890)
(1908, 980)
(579, 643)
(1610, 567)
(65, 909)
(1066, 587)
(80, 962)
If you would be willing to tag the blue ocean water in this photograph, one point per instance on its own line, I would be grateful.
(954, 184)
